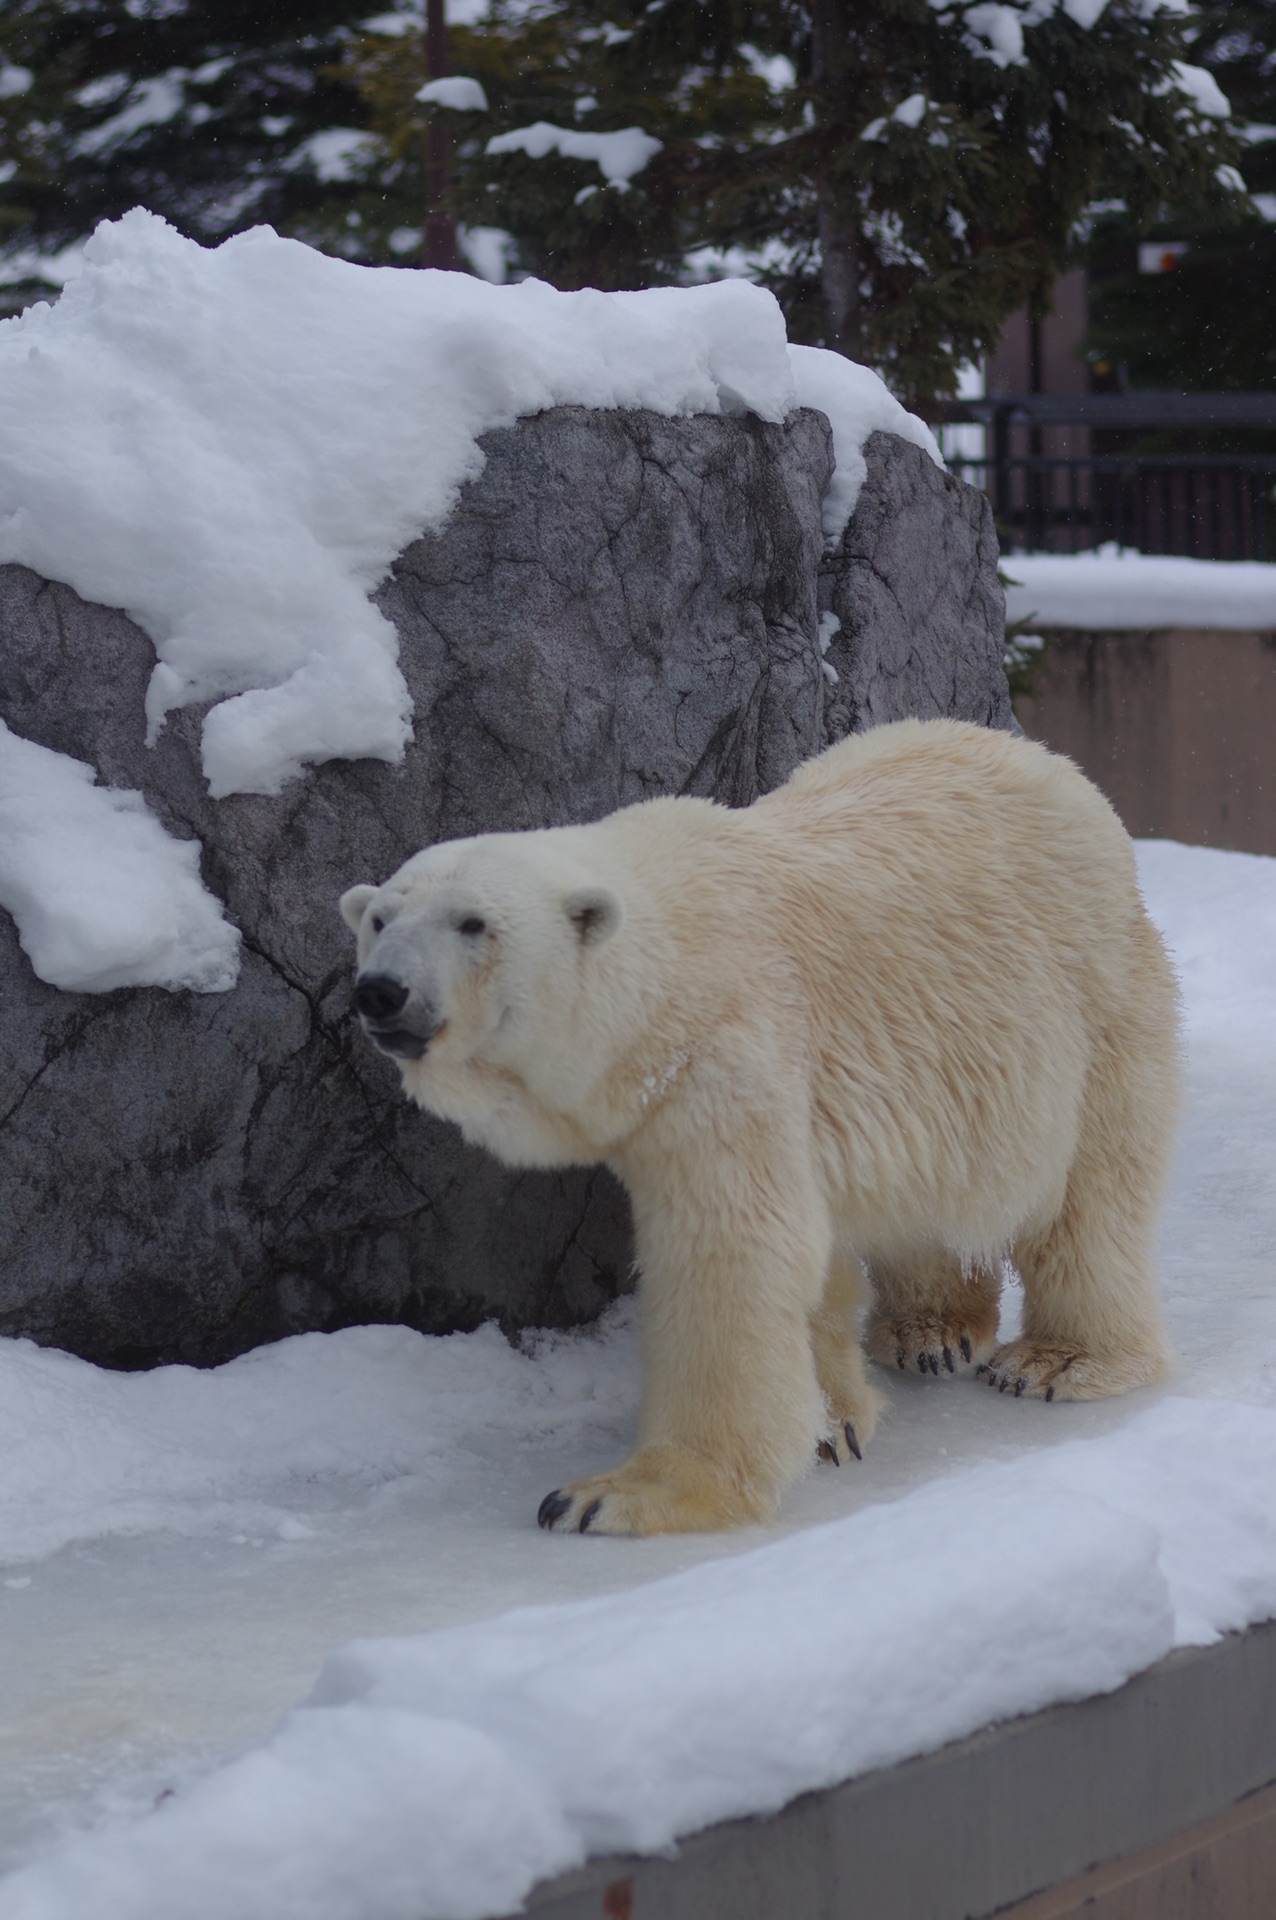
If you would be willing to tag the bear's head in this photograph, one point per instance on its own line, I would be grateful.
(472, 960)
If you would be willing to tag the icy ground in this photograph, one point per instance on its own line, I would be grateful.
(183, 1553)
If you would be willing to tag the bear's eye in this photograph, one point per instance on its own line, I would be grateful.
(472, 925)
(378, 924)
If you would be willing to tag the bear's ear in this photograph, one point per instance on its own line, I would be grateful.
(354, 905)
(596, 913)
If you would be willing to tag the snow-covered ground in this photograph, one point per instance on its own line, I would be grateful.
(1116, 590)
(186, 1553)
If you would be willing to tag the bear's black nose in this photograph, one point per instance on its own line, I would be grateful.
(378, 996)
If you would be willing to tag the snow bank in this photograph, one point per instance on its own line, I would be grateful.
(102, 895)
(236, 1448)
(441, 1775)
(234, 444)
(1115, 590)
(858, 402)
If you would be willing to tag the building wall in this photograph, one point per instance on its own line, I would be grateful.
(1177, 728)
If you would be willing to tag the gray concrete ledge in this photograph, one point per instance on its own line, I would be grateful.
(985, 1822)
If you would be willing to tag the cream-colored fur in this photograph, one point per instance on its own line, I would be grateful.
(907, 1014)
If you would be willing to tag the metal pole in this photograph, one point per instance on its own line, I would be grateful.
(1002, 503)
(439, 247)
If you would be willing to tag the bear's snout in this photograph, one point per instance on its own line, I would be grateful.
(378, 996)
(382, 1004)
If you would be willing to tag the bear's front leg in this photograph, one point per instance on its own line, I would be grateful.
(733, 1245)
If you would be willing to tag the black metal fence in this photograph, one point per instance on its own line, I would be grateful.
(1213, 506)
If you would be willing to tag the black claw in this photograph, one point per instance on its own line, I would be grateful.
(921, 1363)
(1002, 1385)
(948, 1360)
(934, 1364)
(851, 1441)
(1049, 1393)
(1067, 1363)
(899, 1358)
(827, 1451)
(589, 1513)
(552, 1508)
(965, 1348)
(982, 1368)
(1019, 1387)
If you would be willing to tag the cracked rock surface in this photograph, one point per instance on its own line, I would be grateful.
(622, 605)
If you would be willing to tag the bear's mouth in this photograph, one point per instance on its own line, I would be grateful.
(402, 1042)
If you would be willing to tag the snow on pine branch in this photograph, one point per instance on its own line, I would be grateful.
(456, 91)
(994, 29)
(619, 156)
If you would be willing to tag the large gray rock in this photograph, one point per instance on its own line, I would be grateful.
(914, 584)
(622, 605)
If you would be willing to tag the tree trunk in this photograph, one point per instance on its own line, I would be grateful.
(831, 65)
(439, 248)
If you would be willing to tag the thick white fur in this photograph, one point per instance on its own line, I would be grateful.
(907, 1012)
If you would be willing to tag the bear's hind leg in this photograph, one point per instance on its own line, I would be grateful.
(932, 1314)
(853, 1405)
(1092, 1311)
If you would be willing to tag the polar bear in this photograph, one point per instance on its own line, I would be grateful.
(900, 1020)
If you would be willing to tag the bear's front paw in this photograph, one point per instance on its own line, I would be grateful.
(659, 1490)
(842, 1444)
(1052, 1370)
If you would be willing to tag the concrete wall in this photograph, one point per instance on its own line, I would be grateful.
(1177, 728)
(1159, 1786)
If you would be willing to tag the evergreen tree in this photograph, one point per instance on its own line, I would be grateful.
(215, 113)
(902, 173)
(1209, 323)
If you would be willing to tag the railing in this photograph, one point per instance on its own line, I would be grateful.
(1212, 506)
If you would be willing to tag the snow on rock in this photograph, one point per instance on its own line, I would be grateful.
(1116, 590)
(234, 445)
(102, 895)
(858, 402)
(619, 156)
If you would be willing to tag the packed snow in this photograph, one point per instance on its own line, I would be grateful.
(103, 897)
(187, 1553)
(1116, 589)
